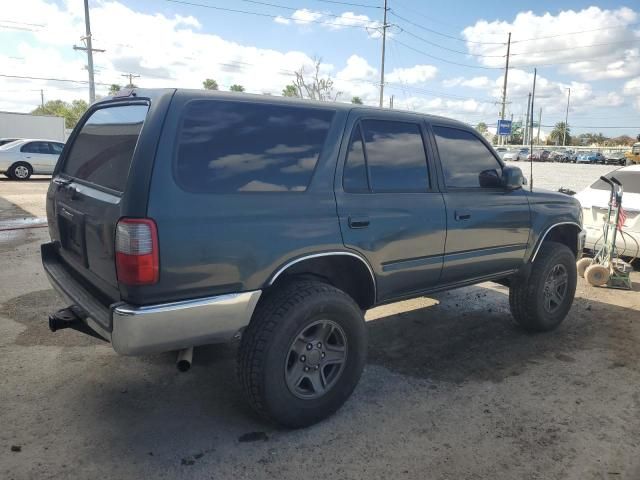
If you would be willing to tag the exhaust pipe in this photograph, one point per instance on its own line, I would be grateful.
(185, 357)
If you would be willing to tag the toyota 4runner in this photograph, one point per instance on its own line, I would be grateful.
(186, 217)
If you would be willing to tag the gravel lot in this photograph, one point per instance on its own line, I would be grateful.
(451, 390)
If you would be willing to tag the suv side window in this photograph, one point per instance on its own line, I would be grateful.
(355, 177)
(35, 147)
(466, 161)
(396, 158)
(233, 146)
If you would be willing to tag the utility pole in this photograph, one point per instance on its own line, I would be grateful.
(506, 74)
(384, 41)
(539, 122)
(42, 98)
(89, 49)
(533, 97)
(525, 126)
(130, 76)
(391, 102)
(566, 119)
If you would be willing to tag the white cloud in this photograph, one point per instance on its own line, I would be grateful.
(475, 82)
(632, 89)
(411, 75)
(282, 20)
(609, 52)
(305, 16)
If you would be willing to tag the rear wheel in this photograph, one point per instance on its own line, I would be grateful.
(20, 171)
(303, 353)
(540, 302)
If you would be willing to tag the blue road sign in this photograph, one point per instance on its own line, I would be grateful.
(504, 127)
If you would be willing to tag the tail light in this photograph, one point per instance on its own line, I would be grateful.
(137, 251)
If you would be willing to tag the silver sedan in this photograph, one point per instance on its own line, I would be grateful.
(22, 158)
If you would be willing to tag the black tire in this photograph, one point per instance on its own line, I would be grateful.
(527, 297)
(20, 171)
(265, 348)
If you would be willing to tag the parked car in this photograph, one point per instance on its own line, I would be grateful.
(4, 141)
(559, 155)
(539, 155)
(502, 151)
(516, 155)
(615, 158)
(190, 217)
(590, 157)
(595, 203)
(22, 158)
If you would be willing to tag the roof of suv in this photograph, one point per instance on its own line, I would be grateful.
(140, 92)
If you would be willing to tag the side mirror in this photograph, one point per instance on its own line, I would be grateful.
(489, 179)
(512, 178)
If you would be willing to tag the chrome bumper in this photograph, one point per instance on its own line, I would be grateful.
(136, 330)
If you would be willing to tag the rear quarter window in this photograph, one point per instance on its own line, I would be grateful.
(102, 152)
(630, 181)
(227, 146)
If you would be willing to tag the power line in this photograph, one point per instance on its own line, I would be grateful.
(295, 9)
(363, 5)
(574, 47)
(578, 32)
(268, 15)
(403, 30)
(24, 77)
(435, 32)
(444, 60)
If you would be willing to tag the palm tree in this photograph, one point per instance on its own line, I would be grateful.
(557, 135)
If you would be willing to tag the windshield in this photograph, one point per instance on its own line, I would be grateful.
(630, 181)
(7, 146)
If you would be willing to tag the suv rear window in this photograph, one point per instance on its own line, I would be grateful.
(102, 151)
(229, 146)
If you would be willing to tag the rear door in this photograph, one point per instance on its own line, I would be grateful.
(87, 190)
(36, 154)
(55, 149)
(487, 225)
(389, 207)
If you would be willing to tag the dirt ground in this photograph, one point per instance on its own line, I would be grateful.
(452, 390)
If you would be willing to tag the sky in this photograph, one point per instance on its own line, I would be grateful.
(444, 58)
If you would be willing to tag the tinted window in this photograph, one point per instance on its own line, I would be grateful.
(466, 161)
(355, 170)
(630, 182)
(56, 148)
(395, 156)
(103, 150)
(35, 147)
(238, 146)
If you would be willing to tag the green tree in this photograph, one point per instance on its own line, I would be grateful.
(356, 101)
(557, 134)
(114, 88)
(290, 91)
(481, 128)
(236, 88)
(71, 112)
(210, 84)
(516, 133)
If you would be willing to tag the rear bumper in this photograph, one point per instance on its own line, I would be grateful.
(135, 330)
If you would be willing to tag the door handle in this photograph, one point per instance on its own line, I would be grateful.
(461, 215)
(359, 221)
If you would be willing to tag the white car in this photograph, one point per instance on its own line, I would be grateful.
(516, 155)
(595, 202)
(23, 158)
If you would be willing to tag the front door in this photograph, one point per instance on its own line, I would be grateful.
(487, 225)
(389, 208)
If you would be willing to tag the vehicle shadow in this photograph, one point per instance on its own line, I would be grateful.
(468, 337)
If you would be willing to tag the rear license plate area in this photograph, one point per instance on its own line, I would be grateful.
(71, 227)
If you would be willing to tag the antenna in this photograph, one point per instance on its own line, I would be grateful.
(533, 96)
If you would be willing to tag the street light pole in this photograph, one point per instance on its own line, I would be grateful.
(566, 119)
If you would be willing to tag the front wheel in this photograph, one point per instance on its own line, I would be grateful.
(303, 353)
(20, 171)
(540, 302)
